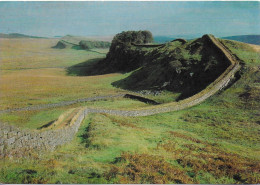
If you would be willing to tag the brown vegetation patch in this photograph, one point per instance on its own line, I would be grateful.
(211, 159)
(124, 122)
(145, 168)
(183, 136)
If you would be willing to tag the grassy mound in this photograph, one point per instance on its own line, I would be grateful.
(60, 45)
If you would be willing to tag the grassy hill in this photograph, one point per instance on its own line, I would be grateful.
(216, 142)
(251, 39)
(163, 39)
(184, 67)
(17, 35)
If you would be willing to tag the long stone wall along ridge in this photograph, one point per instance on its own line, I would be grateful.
(16, 142)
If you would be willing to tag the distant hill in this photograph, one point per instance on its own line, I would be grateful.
(17, 35)
(163, 39)
(251, 39)
(76, 39)
(78, 42)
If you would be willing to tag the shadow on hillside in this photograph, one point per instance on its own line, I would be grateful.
(77, 47)
(92, 67)
(87, 68)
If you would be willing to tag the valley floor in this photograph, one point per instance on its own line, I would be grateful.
(215, 142)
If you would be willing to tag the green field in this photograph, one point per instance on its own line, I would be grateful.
(216, 142)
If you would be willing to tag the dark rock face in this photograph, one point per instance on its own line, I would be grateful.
(181, 66)
(60, 45)
(122, 56)
(186, 68)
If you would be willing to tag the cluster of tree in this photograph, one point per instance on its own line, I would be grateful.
(93, 44)
(137, 37)
(121, 55)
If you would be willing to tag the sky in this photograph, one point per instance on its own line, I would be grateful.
(109, 18)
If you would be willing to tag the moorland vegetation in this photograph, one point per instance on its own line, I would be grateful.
(214, 142)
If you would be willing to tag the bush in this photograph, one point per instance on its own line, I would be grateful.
(137, 37)
(93, 44)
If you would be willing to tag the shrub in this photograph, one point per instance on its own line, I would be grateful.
(93, 44)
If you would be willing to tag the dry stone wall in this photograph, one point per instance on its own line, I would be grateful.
(16, 142)
(21, 142)
(221, 82)
(61, 104)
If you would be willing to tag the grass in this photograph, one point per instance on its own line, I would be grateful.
(246, 52)
(36, 119)
(32, 119)
(37, 53)
(46, 80)
(33, 73)
(23, 88)
(114, 149)
(216, 142)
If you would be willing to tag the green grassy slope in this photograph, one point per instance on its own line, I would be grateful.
(216, 142)
(32, 73)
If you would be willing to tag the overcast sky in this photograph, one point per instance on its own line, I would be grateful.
(109, 18)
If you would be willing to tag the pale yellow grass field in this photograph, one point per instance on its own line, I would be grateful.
(255, 47)
(41, 86)
(46, 82)
(38, 53)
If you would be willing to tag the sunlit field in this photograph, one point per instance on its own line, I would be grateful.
(34, 73)
(38, 53)
(215, 142)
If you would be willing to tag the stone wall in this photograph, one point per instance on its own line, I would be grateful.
(221, 82)
(61, 104)
(21, 142)
(16, 142)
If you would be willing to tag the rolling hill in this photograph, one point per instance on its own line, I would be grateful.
(163, 39)
(214, 142)
(17, 35)
(251, 39)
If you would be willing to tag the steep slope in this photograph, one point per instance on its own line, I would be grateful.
(183, 67)
(123, 55)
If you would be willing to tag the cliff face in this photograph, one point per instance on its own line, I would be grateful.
(123, 55)
(185, 67)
